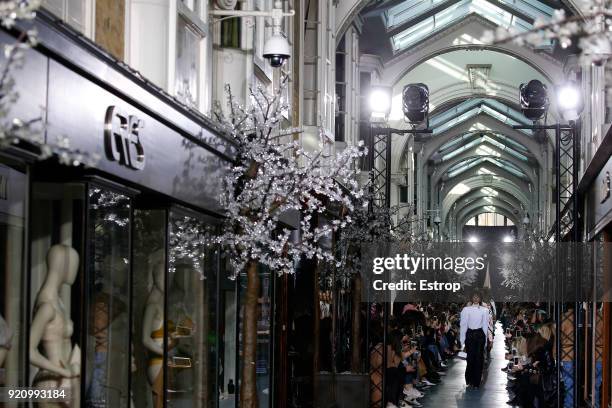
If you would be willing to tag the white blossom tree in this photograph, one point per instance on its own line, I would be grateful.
(271, 176)
(590, 32)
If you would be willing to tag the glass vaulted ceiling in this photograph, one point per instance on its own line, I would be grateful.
(422, 18)
(470, 108)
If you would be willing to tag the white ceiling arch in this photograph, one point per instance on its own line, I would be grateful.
(481, 210)
(440, 169)
(490, 193)
(461, 187)
(460, 74)
(459, 212)
(483, 122)
(494, 206)
(464, 35)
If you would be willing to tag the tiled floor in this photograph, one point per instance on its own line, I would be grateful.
(452, 391)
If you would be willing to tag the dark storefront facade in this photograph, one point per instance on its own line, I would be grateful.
(106, 286)
(597, 350)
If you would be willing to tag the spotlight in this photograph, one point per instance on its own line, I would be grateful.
(473, 239)
(569, 101)
(508, 238)
(534, 99)
(415, 100)
(380, 101)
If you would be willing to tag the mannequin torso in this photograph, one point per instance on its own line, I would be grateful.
(59, 364)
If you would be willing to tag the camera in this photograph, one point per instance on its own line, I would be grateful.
(277, 50)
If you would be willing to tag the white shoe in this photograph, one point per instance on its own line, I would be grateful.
(442, 364)
(415, 403)
(427, 382)
(413, 393)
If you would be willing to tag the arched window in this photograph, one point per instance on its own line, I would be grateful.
(490, 219)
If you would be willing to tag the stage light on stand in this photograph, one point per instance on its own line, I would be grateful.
(415, 103)
(534, 100)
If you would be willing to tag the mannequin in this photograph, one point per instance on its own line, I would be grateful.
(153, 333)
(59, 363)
(181, 328)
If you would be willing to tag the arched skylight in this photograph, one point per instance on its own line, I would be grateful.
(450, 118)
(414, 20)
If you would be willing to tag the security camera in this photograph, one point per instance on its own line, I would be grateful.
(277, 50)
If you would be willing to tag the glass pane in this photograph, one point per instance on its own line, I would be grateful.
(148, 295)
(13, 186)
(227, 344)
(56, 334)
(108, 268)
(187, 62)
(191, 316)
(264, 313)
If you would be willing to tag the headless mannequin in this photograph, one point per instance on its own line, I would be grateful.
(59, 363)
(153, 333)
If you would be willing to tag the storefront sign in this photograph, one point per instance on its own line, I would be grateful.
(122, 139)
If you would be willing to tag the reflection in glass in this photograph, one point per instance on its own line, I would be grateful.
(56, 239)
(264, 319)
(12, 215)
(227, 344)
(148, 293)
(108, 273)
(190, 316)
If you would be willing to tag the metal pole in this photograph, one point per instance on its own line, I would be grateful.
(577, 258)
(388, 170)
(557, 297)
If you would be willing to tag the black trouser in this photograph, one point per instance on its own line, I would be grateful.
(474, 347)
(394, 384)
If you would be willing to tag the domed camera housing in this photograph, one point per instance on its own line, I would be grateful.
(277, 50)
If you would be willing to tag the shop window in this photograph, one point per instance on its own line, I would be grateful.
(108, 271)
(189, 36)
(76, 13)
(228, 340)
(56, 286)
(148, 297)
(191, 337)
(231, 32)
(13, 187)
(403, 193)
(263, 359)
